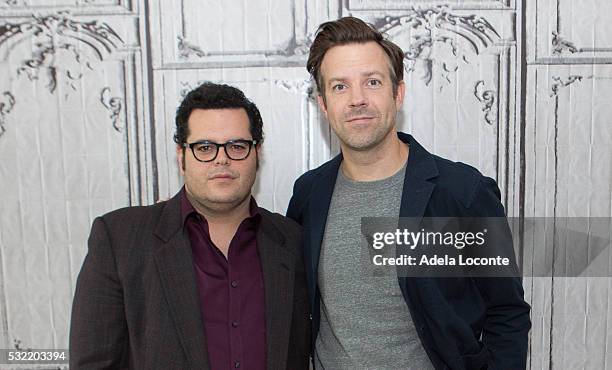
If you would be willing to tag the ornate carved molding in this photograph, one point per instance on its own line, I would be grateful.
(186, 87)
(375, 5)
(17, 346)
(561, 45)
(57, 37)
(438, 29)
(13, 2)
(114, 105)
(487, 98)
(187, 49)
(298, 45)
(559, 83)
(7, 102)
(302, 87)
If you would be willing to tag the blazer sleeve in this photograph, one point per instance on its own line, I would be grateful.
(296, 203)
(507, 322)
(300, 324)
(98, 328)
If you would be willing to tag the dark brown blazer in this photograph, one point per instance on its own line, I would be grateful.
(136, 303)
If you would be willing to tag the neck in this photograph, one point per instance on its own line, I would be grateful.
(376, 163)
(222, 216)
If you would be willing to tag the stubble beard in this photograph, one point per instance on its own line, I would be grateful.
(364, 140)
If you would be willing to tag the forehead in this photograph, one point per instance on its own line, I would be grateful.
(218, 124)
(346, 61)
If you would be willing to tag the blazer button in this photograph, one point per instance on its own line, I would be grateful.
(234, 284)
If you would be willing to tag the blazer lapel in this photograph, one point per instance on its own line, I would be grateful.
(277, 265)
(415, 198)
(417, 190)
(175, 266)
(322, 193)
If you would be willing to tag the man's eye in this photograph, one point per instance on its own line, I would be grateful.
(204, 148)
(238, 147)
(338, 87)
(374, 82)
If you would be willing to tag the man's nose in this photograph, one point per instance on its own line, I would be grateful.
(222, 157)
(358, 97)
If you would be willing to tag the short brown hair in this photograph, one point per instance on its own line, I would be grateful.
(349, 30)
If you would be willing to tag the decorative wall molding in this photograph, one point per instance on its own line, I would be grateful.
(303, 87)
(187, 49)
(553, 21)
(374, 5)
(114, 105)
(559, 83)
(437, 27)
(14, 3)
(65, 49)
(56, 39)
(561, 45)
(45, 54)
(487, 98)
(25, 8)
(285, 42)
(186, 87)
(7, 102)
(17, 346)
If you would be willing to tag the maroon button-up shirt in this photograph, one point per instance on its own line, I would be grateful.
(231, 291)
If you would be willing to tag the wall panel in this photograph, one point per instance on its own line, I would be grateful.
(90, 88)
(70, 115)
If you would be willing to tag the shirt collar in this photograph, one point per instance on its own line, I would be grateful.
(187, 209)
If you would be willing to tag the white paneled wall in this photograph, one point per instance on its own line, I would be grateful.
(520, 89)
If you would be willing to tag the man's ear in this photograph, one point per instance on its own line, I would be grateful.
(180, 158)
(399, 97)
(258, 153)
(321, 101)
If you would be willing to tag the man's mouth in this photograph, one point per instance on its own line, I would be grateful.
(359, 119)
(221, 176)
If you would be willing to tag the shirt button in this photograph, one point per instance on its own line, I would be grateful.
(235, 324)
(234, 284)
(237, 364)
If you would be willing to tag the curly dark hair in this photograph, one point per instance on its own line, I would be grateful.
(351, 30)
(216, 96)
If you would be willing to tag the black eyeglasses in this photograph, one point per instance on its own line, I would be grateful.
(206, 151)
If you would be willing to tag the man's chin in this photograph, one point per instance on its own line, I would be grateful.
(226, 202)
(360, 145)
(363, 141)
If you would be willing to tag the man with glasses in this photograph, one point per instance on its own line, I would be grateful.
(205, 280)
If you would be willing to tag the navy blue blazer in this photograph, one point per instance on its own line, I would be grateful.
(463, 323)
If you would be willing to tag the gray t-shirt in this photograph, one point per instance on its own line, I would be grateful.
(365, 323)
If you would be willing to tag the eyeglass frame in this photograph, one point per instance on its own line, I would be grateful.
(252, 143)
